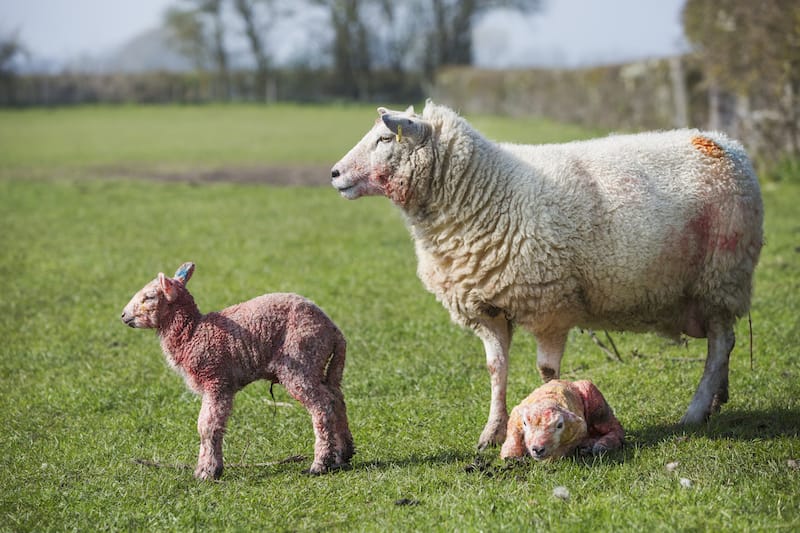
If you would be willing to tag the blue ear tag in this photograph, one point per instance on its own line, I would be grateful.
(183, 272)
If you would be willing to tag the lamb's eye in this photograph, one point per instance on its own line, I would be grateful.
(386, 138)
(560, 425)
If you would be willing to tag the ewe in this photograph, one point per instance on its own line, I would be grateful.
(651, 232)
(283, 338)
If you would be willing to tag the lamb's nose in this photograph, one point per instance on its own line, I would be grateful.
(538, 452)
(335, 173)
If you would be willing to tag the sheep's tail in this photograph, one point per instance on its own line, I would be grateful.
(335, 367)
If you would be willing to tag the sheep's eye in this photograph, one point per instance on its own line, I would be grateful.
(560, 425)
(386, 138)
(148, 297)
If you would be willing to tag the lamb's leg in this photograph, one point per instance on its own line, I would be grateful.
(549, 351)
(604, 430)
(713, 388)
(211, 426)
(514, 446)
(320, 402)
(496, 336)
(345, 448)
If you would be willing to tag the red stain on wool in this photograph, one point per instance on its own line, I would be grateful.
(708, 147)
(395, 188)
(705, 232)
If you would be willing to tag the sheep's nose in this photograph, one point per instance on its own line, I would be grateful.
(538, 452)
(335, 173)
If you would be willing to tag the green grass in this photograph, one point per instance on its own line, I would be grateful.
(47, 140)
(83, 396)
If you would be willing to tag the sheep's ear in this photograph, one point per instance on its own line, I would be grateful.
(404, 126)
(168, 287)
(386, 111)
(184, 272)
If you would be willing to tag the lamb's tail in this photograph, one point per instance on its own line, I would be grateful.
(335, 367)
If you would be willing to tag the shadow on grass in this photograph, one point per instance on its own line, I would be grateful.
(444, 457)
(737, 425)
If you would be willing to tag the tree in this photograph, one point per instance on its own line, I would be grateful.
(752, 50)
(450, 33)
(11, 50)
(198, 31)
(352, 61)
(247, 12)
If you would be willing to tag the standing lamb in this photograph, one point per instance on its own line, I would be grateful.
(279, 337)
(650, 232)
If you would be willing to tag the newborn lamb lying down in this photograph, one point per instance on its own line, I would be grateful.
(560, 417)
(283, 338)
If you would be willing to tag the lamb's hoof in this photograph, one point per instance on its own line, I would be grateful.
(599, 450)
(208, 473)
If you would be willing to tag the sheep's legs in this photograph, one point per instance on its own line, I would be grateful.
(496, 336)
(211, 426)
(549, 351)
(713, 389)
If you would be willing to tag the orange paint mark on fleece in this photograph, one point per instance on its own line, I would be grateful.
(708, 147)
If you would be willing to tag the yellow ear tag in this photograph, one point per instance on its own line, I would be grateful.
(399, 133)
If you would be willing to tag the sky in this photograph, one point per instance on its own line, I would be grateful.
(566, 33)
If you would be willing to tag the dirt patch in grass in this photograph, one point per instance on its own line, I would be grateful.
(286, 175)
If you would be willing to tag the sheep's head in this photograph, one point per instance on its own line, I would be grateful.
(385, 161)
(148, 305)
(551, 431)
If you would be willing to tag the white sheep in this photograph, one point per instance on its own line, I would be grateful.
(650, 232)
(281, 337)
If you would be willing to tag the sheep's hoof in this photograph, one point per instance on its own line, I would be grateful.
(492, 435)
(695, 418)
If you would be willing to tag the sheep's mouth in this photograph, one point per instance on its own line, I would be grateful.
(349, 191)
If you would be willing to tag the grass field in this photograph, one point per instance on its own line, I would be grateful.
(85, 401)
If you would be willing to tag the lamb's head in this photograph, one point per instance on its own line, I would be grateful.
(551, 431)
(387, 160)
(150, 304)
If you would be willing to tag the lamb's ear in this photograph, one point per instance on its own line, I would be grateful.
(168, 286)
(404, 126)
(575, 426)
(184, 272)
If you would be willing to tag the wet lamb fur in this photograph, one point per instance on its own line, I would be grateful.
(658, 231)
(560, 417)
(283, 338)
